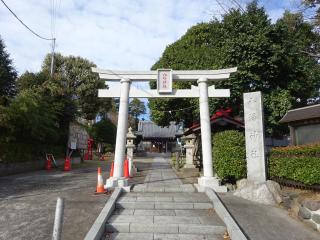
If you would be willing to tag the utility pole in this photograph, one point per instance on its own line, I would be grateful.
(52, 56)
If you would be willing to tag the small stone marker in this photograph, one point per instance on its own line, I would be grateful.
(254, 131)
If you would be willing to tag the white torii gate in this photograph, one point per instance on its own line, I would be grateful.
(202, 91)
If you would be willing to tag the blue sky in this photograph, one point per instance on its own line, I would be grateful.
(114, 34)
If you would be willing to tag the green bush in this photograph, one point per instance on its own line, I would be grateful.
(229, 154)
(298, 163)
(22, 152)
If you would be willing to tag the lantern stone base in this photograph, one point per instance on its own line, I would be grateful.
(189, 165)
(210, 182)
(114, 182)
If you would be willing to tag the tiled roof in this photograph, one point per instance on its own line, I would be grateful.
(300, 114)
(150, 130)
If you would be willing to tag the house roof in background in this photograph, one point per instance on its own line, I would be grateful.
(300, 114)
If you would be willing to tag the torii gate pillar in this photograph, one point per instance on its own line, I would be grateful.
(118, 180)
(207, 180)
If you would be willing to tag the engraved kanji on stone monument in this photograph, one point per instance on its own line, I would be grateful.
(254, 131)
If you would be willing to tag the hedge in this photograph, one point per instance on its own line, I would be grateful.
(229, 154)
(298, 163)
(22, 152)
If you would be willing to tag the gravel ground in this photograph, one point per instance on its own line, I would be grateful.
(27, 202)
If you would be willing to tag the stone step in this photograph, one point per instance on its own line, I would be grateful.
(207, 220)
(164, 188)
(128, 236)
(163, 198)
(160, 236)
(166, 212)
(171, 194)
(203, 229)
(163, 205)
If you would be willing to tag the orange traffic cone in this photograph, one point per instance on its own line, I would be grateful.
(100, 186)
(67, 164)
(126, 169)
(48, 164)
(111, 169)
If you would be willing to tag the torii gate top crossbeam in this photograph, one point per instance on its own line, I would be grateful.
(177, 75)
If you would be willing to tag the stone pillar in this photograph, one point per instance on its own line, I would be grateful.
(190, 147)
(255, 142)
(117, 180)
(130, 147)
(207, 180)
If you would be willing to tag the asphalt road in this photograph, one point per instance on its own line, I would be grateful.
(27, 202)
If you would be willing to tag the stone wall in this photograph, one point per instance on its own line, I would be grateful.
(310, 213)
(78, 134)
(21, 167)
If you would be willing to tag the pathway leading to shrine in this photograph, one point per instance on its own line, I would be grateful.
(164, 208)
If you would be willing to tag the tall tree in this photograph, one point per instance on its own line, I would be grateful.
(71, 92)
(80, 83)
(30, 118)
(136, 109)
(269, 58)
(8, 76)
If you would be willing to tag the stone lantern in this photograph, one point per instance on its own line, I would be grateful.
(190, 148)
(130, 146)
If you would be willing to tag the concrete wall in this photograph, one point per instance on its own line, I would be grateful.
(21, 167)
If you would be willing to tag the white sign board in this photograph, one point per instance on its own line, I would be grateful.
(73, 145)
(254, 129)
(164, 81)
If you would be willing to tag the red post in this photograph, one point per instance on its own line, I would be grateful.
(67, 164)
(111, 170)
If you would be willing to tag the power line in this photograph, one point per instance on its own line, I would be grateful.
(39, 36)
(238, 5)
(222, 7)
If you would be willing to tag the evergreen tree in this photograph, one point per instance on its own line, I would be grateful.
(269, 58)
(8, 76)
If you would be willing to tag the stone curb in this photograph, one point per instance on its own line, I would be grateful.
(97, 229)
(234, 230)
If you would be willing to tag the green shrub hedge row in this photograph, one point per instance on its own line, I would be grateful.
(229, 154)
(22, 152)
(306, 150)
(298, 163)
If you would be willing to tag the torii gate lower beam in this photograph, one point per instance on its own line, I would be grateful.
(202, 91)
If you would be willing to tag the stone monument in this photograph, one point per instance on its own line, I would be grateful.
(254, 131)
(256, 187)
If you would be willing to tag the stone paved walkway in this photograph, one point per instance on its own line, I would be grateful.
(265, 222)
(164, 208)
